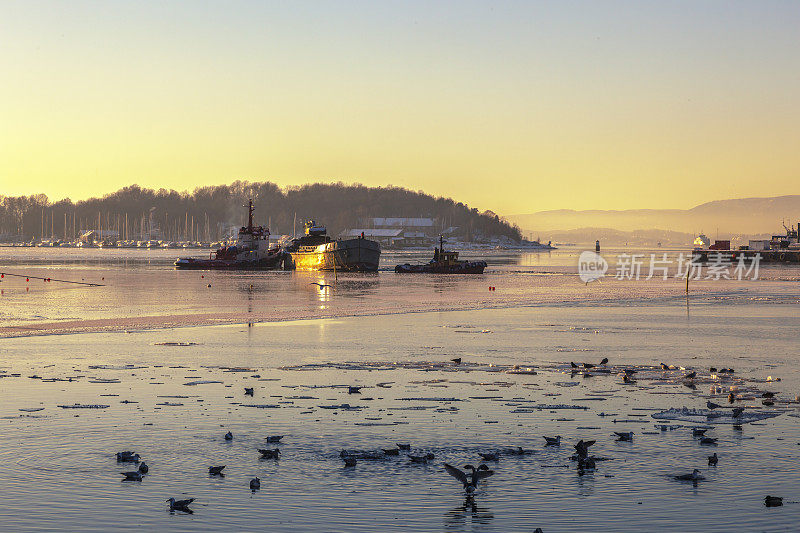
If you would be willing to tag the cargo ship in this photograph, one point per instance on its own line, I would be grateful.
(317, 251)
(250, 252)
(778, 249)
(443, 262)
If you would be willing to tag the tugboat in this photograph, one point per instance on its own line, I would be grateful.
(317, 251)
(251, 252)
(443, 262)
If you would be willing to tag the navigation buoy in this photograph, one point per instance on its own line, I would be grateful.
(209, 285)
(202, 276)
(26, 280)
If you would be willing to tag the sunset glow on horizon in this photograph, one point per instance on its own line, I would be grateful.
(511, 106)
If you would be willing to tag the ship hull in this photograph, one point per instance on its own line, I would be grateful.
(352, 255)
(469, 267)
(272, 262)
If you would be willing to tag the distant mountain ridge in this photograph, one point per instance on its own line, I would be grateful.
(722, 218)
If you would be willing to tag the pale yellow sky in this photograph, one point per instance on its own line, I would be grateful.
(511, 106)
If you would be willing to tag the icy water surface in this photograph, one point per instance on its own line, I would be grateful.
(412, 394)
(170, 394)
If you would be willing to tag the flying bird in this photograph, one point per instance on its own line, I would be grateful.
(470, 482)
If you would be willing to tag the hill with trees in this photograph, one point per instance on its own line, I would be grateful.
(208, 212)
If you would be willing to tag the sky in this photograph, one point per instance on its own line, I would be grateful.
(511, 106)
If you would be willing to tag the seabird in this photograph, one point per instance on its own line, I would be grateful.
(404, 446)
(712, 405)
(585, 463)
(736, 413)
(604, 361)
(180, 505)
(229, 436)
(583, 448)
(552, 441)
(391, 451)
(492, 456)
(622, 436)
(690, 375)
(272, 439)
(699, 432)
(248, 391)
(768, 395)
(132, 476)
(456, 360)
(708, 441)
(255, 484)
(712, 459)
(694, 476)
(664, 366)
(629, 371)
(470, 482)
(627, 379)
(421, 458)
(731, 397)
(320, 285)
(588, 365)
(270, 454)
(127, 457)
(143, 468)
(349, 460)
(773, 501)
(572, 364)
(353, 389)
(517, 451)
(767, 402)
(216, 470)
(712, 369)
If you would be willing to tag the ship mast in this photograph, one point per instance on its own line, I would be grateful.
(250, 217)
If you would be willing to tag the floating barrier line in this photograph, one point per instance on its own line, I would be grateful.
(53, 279)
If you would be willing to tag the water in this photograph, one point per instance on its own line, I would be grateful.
(400, 332)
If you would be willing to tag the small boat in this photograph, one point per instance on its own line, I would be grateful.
(251, 252)
(443, 262)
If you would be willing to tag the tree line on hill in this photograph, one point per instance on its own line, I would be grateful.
(207, 212)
